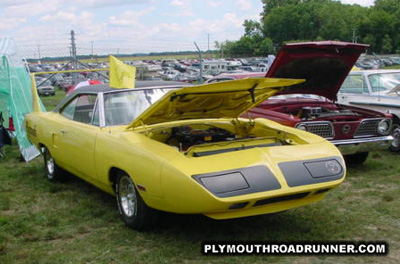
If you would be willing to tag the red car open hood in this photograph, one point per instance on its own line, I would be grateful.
(323, 64)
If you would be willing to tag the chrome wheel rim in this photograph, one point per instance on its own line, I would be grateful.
(49, 165)
(127, 196)
(396, 136)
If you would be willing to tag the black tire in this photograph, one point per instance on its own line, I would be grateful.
(53, 172)
(356, 159)
(395, 145)
(135, 213)
(2, 152)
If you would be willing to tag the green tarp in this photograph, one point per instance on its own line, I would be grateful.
(15, 95)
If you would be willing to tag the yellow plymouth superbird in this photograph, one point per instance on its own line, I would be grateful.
(184, 149)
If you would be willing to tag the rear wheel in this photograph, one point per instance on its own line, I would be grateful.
(53, 172)
(356, 159)
(135, 213)
(395, 146)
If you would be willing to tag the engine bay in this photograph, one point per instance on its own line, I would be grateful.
(306, 113)
(310, 112)
(184, 137)
(206, 139)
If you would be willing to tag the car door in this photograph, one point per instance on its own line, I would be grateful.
(76, 136)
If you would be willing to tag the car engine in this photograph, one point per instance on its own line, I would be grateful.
(184, 137)
(309, 113)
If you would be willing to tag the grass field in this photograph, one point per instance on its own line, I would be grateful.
(396, 67)
(73, 222)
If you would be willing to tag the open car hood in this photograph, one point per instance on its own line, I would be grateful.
(324, 65)
(217, 100)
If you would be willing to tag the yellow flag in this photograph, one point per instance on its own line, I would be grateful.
(35, 96)
(121, 75)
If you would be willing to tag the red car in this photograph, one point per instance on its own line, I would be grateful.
(312, 106)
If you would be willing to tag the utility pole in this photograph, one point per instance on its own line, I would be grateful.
(74, 60)
(354, 36)
(38, 48)
(92, 48)
(201, 64)
(208, 45)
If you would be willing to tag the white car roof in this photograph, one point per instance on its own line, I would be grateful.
(369, 72)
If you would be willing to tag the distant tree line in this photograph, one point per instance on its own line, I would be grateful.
(284, 21)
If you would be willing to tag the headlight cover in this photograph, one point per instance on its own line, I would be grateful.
(298, 173)
(384, 127)
(324, 168)
(239, 181)
(225, 182)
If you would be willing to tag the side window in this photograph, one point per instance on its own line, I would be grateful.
(69, 110)
(379, 82)
(80, 109)
(354, 84)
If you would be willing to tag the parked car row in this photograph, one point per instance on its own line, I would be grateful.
(377, 63)
(171, 69)
(46, 83)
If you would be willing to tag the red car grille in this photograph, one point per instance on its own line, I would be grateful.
(367, 128)
(321, 129)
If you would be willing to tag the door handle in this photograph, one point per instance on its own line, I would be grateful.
(63, 131)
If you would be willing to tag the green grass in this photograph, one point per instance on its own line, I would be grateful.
(392, 67)
(73, 222)
(51, 101)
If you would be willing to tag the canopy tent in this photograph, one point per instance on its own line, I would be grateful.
(15, 95)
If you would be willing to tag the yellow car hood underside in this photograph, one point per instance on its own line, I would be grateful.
(227, 99)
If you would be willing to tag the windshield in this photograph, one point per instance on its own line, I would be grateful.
(123, 107)
(384, 81)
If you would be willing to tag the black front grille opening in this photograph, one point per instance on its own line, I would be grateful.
(283, 198)
(322, 191)
(238, 205)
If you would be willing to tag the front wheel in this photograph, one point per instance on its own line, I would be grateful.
(135, 213)
(395, 146)
(53, 172)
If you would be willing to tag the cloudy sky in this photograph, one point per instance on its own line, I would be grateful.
(126, 25)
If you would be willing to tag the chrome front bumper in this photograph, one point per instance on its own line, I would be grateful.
(357, 145)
